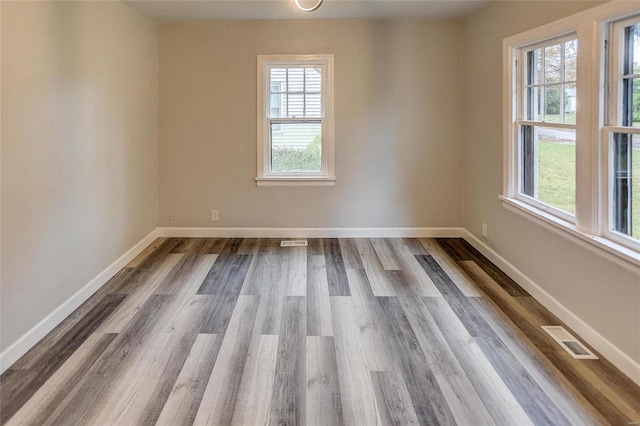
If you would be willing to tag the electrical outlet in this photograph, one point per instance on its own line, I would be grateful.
(169, 219)
(485, 231)
(214, 215)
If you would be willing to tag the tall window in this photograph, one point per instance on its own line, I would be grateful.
(547, 124)
(624, 134)
(295, 114)
(572, 129)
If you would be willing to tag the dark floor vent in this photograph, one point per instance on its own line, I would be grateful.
(568, 342)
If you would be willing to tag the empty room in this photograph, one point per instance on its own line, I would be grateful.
(320, 212)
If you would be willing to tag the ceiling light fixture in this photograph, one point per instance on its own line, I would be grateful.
(308, 9)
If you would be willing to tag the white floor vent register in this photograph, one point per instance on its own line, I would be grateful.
(293, 243)
(568, 342)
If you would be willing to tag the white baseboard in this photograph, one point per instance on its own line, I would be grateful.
(607, 349)
(311, 232)
(33, 336)
(627, 365)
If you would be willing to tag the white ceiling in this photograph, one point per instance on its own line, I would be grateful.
(203, 10)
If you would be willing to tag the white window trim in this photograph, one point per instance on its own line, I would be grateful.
(265, 177)
(588, 231)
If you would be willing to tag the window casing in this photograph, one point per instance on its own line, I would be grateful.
(603, 121)
(295, 120)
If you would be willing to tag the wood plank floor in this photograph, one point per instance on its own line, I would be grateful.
(357, 332)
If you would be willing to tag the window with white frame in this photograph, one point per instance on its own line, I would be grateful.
(572, 129)
(295, 120)
(546, 125)
(622, 136)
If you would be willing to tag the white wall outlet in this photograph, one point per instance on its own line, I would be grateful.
(485, 231)
(214, 215)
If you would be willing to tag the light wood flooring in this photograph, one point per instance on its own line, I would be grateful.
(349, 331)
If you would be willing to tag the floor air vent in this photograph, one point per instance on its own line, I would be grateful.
(293, 243)
(568, 342)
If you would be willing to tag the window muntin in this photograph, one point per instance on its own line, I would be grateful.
(547, 126)
(295, 113)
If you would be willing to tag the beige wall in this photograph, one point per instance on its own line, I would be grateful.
(80, 159)
(79, 149)
(604, 296)
(398, 118)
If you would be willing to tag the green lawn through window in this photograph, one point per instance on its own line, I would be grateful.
(556, 186)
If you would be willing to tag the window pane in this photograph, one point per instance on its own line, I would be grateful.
(275, 107)
(534, 103)
(534, 75)
(552, 63)
(552, 104)
(630, 85)
(635, 102)
(313, 107)
(636, 49)
(296, 147)
(626, 184)
(631, 102)
(632, 50)
(570, 60)
(278, 75)
(570, 103)
(295, 80)
(313, 80)
(548, 166)
(295, 104)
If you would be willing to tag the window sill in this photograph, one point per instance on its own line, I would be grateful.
(298, 181)
(615, 253)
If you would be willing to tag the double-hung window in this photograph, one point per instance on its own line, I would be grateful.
(295, 120)
(622, 136)
(546, 125)
(572, 129)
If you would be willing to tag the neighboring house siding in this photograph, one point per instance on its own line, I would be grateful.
(295, 136)
(287, 105)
